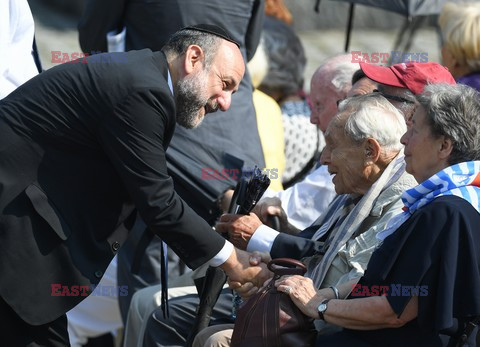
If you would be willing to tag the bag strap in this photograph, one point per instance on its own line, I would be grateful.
(286, 266)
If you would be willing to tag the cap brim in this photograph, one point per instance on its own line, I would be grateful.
(382, 74)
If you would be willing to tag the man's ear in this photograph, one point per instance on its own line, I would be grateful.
(194, 59)
(372, 151)
(446, 147)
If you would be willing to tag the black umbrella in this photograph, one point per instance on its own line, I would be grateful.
(244, 199)
(407, 8)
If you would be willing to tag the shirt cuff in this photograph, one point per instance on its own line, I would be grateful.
(222, 256)
(262, 239)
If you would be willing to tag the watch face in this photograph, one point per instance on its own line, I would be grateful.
(322, 307)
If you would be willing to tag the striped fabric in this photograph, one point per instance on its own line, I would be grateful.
(462, 180)
(346, 226)
(337, 211)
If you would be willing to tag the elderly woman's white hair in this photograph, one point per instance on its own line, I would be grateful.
(373, 116)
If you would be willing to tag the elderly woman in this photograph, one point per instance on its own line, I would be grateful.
(460, 27)
(365, 157)
(427, 270)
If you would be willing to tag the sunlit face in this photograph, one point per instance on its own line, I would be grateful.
(323, 102)
(421, 147)
(207, 90)
(345, 160)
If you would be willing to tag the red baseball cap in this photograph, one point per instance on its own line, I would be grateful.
(412, 75)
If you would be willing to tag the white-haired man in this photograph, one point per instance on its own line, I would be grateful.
(365, 155)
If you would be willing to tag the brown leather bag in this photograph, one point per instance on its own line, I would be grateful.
(270, 318)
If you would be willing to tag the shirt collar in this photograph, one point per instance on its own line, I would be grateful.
(170, 83)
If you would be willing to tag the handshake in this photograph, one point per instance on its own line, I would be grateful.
(258, 274)
(250, 272)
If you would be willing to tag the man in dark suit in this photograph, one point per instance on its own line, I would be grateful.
(81, 147)
(149, 24)
(236, 144)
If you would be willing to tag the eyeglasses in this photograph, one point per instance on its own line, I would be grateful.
(394, 97)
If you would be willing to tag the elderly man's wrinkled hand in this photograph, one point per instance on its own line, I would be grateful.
(239, 269)
(259, 257)
(240, 228)
(248, 289)
(302, 292)
(271, 207)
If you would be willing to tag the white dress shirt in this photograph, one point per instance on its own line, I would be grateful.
(16, 39)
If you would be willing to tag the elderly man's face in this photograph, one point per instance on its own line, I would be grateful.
(323, 102)
(208, 90)
(345, 159)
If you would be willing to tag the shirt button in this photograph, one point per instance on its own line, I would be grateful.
(98, 274)
(115, 246)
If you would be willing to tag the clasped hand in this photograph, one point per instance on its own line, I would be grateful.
(240, 228)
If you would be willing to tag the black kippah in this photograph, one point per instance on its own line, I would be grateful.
(214, 30)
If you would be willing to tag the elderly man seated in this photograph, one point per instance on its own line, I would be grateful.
(365, 156)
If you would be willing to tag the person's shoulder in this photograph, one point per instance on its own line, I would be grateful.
(449, 207)
(450, 202)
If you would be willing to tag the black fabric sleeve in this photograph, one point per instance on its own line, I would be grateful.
(99, 17)
(254, 30)
(133, 138)
(296, 247)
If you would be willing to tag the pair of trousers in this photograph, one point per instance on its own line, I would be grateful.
(174, 330)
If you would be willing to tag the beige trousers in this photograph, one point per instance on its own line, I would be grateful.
(214, 336)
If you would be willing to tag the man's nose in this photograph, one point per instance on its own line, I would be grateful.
(404, 138)
(224, 100)
(325, 157)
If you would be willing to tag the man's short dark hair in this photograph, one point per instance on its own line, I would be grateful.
(357, 76)
(182, 39)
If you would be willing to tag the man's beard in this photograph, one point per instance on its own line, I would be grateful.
(189, 100)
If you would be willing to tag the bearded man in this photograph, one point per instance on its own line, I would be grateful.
(81, 147)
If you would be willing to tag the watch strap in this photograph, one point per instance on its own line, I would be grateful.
(320, 313)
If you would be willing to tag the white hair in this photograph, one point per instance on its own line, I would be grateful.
(338, 71)
(373, 116)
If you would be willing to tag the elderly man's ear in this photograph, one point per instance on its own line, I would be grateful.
(372, 151)
(194, 59)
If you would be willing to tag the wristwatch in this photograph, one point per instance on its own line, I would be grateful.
(322, 308)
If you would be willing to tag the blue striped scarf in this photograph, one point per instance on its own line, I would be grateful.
(462, 180)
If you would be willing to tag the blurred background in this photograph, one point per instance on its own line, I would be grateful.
(323, 34)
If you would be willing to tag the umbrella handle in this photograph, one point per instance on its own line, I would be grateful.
(274, 222)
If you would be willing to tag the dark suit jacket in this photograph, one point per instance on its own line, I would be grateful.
(82, 145)
(149, 24)
(297, 246)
